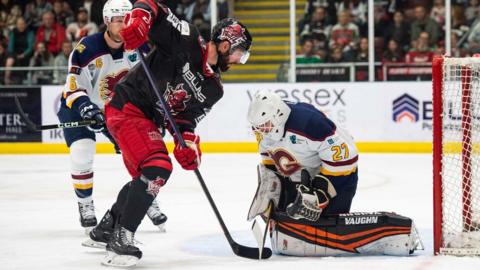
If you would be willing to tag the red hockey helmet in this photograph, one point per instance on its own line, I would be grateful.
(234, 32)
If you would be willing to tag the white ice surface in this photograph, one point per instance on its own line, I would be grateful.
(39, 226)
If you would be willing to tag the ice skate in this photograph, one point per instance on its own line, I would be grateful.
(87, 216)
(156, 216)
(102, 233)
(121, 251)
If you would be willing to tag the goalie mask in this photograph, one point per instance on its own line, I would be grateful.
(268, 114)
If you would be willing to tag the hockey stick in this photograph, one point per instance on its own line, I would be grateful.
(242, 251)
(259, 233)
(34, 127)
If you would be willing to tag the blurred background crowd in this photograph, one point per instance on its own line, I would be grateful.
(42, 33)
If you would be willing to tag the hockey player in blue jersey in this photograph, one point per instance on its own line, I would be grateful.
(97, 63)
(307, 180)
(296, 137)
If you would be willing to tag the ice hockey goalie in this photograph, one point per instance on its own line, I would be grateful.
(375, 233)
(307, 180)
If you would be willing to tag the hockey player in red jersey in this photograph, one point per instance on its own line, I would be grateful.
(307, 180)
(187, 72)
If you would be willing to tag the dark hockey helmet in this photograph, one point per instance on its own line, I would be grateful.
(236, 33)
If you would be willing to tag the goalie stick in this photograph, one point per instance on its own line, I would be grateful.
(33, 127)
(239, 250)
(259, 233)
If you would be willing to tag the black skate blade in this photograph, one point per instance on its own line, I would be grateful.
(120, 261)
(93, 244)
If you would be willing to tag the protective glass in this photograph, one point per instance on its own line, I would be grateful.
(240, 54)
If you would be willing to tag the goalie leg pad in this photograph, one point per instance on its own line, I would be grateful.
(379, 233)
(269, 189)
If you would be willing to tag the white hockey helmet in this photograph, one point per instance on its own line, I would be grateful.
(268, 114)
(113, 8)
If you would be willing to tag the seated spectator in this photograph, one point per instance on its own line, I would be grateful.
(81, 27)
(181, 9)
(459, 21)
(95, 9)
(393, 53)
(13, 15)
(320, 42)
(3, 61)
(20, 49)
(399, 30)
(362, 52)
(421, 51)
(308, 55)
(358, 12)
(472, 11)
(41, 6)
(30, 15)
(198, 6)
(438, 11)
(344, 34)
(59, 75)
(202, 26)
(474, 37)
(336, 55)
(457, 50)
(51, 33)
(41, 58)
(61, 16)
(317, 25)
(424, 23)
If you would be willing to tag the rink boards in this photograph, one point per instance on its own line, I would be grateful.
(382, 117)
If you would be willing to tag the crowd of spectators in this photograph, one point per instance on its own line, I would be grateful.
(42, 33)
(406, 31)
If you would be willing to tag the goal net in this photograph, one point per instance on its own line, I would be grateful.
(456, 155)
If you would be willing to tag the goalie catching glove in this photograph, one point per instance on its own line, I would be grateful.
(313, 195)
(189, 157)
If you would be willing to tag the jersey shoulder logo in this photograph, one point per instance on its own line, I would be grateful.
(132, 57)
(181, 26)
(80, 48)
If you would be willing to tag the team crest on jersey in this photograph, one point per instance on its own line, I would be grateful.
(330, 141)
(176, 97)
(284, 161)
(108, 82)
(293, 139)
(132, 57)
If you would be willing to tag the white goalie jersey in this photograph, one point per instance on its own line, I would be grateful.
(94, 69)
(311, 141)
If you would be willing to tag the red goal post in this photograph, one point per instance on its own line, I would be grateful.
(456, 155)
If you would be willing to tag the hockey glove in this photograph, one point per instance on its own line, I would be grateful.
(189, 157)
(90, 111)
(313, 195)
(138, 24)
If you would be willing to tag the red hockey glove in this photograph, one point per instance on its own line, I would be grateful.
(138, 24)
(189, 157)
